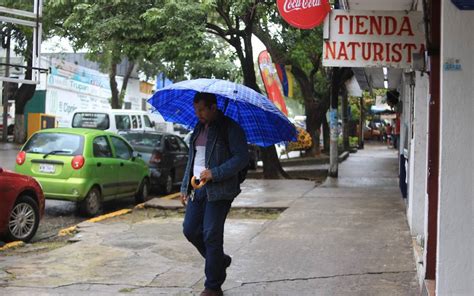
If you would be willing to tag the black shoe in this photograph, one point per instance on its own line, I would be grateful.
(227, 260)
(210, 292)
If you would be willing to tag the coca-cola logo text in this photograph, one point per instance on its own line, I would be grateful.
(291, 5)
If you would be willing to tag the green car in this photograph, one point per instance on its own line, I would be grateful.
(84, 165)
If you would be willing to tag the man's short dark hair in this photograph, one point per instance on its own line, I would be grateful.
(208, 98)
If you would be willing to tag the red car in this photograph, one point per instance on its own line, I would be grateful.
(21, 206)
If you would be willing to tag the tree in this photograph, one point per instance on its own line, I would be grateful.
(111, 31)
(234, 22)
(302, 49)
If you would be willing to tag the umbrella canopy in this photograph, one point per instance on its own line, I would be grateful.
(261, 120)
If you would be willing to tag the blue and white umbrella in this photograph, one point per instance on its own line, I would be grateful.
(264, 124)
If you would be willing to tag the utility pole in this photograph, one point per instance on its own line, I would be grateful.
(333, 130)
(6, 93)
(361, 123)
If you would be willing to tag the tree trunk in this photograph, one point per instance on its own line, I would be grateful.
(123, 90)
(312, 109)
(115, 101)
(345, 119)
(24, 93)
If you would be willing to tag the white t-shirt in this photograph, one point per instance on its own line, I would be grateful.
(199, 161)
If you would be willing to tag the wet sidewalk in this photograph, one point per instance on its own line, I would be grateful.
(346, 237)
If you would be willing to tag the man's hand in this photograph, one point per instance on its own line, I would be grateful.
(184, 199)
(206, 175)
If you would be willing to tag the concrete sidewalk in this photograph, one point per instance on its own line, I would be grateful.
(347, 237)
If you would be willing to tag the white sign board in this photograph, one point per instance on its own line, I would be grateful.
(372, 38)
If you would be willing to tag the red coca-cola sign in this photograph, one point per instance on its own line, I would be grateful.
(303, 14)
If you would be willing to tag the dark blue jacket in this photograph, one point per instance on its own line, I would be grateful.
(224, 156)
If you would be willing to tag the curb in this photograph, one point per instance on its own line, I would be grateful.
(12, 245)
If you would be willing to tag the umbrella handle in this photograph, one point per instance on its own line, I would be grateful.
(196, 186)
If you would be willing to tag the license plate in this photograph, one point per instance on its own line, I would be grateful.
(47, 168)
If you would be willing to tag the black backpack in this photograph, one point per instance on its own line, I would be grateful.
(242, 174)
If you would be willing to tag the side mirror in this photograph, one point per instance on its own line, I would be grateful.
(136, 155)
(153, 124)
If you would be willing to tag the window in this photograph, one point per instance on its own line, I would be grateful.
(91, 120)
(139, 121)
(134, 121)
(143, 139)
(147, 121)
(122, 122)
(182, 145)
(64, 144)
(171, 144)
(101, 147)
(122, 150)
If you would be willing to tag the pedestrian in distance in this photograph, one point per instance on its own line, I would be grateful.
(388, 130)
(218, 152)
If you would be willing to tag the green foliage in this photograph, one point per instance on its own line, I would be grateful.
(157, 35)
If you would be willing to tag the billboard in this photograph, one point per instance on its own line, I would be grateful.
(271, 81)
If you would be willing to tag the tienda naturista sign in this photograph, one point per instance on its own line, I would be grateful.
(372, 38)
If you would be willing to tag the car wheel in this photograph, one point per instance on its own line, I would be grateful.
(144, 191)
(168, 184)
(92, 204)
(24, 219)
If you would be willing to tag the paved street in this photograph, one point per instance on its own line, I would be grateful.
(346, 237)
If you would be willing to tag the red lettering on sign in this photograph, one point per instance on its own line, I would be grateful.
(352, 46)
(390, 25)
(375, 24)
(387, 52)
(372, 51)
(342, 52)
(361, 20)
(330, 49)
(378, 51)
(366, 51)
(341, 18)
(406, 26)
(396, 49)
(409, 47)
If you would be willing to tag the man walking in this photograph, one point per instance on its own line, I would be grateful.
(218, 152)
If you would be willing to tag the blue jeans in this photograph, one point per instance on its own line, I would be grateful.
(203, 226)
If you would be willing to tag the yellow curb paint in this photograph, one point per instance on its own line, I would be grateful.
(12, 245)
(172, 196)
(140, 206)
(67, 231)
(109, 215)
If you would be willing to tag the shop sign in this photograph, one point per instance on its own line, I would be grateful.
(372, 38)
(303, 14)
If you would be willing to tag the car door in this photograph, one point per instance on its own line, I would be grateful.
(182, 158)
(130, 172)
(106, 167)
(171, 153)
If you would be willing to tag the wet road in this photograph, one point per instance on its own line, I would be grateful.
(62, 214)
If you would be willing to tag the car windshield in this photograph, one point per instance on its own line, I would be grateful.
(91, 120)
(143, 139)
(55, 143)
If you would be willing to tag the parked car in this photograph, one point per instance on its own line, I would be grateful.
(21, 206)
(112, 120)
(86, 166)
(10, 124)
(254, 156)
(166, 155)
